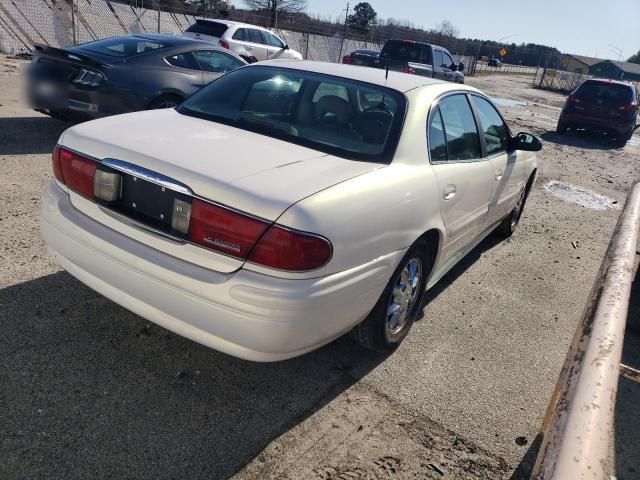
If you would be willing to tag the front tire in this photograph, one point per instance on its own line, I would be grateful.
(510, 222)
(165, 101)
(397, 308)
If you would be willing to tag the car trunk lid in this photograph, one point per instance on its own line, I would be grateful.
(242, 170)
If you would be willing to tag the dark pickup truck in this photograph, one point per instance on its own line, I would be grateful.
(419, 59)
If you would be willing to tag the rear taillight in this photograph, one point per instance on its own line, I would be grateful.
(408, 69)
(574, 98)
(88, 78)
(55, 163)
(223, 44)
(347, 59)
(75, 171)
(631, 107)
(291, 250)
(224, 230)
(256, 240)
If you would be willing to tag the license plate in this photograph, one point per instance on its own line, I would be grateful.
(147, 202)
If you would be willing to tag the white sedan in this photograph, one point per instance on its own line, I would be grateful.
(286, 204)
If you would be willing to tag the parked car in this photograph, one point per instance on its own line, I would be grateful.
(365, 57)
(494, 62)
(251, 42)
(286, 203)
(123, 74)
(420, 59)
(602, 105)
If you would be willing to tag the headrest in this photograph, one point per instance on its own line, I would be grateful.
(334, 105)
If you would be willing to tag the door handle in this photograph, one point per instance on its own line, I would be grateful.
(449, 192)
(499, 175)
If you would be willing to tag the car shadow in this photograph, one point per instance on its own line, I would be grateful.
(582, 139)
(462, 266)
(90, 390)
(29, 135)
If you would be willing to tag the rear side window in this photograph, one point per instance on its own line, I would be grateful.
(463, 142)
(213, 29)
(184, 60)
(123, 46)
(608, 93)
(494, 129)
(407, 51)
(255, 36)
(437, 141)
(241, 34)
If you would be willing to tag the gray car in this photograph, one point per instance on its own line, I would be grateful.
(123, 74)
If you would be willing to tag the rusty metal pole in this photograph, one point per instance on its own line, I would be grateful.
(73, 22)
(579, 422)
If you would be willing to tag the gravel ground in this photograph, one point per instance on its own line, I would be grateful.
(88, 389)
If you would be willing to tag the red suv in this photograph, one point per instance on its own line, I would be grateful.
(602, 105)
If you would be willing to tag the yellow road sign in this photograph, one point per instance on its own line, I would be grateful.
(503, 52)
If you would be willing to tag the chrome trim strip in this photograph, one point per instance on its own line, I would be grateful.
(135, 224)
(148, 175)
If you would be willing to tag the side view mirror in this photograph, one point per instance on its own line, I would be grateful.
(286, 47)
(453, 67)
(527, 142)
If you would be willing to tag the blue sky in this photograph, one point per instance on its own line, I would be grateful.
(584, 27)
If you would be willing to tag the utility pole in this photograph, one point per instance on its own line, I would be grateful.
(344, 30)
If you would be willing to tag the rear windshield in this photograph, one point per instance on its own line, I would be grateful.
(123, 46)
(609, 93)
(407, 51)
(342, 117)
(213, 29)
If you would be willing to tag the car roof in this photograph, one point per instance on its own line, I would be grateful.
(170, 40)
(606, 81)
(402, 82)
(229, 23)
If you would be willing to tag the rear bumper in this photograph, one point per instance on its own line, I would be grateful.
(619, 125)
(245, 314)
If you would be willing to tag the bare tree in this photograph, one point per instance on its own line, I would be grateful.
(275, 7)
(447, 29)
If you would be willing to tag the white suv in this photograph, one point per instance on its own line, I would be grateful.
(251, 42)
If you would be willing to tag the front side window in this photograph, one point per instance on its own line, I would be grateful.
(272, 40)
(463, 142)
(217, 62)
(448, 61)
(438, 59)
(496, 134)
(184, 60)
(311, 109)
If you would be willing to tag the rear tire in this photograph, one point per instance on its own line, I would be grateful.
(397, 308)
(623, 138)
(562, 127)
(165, 101)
